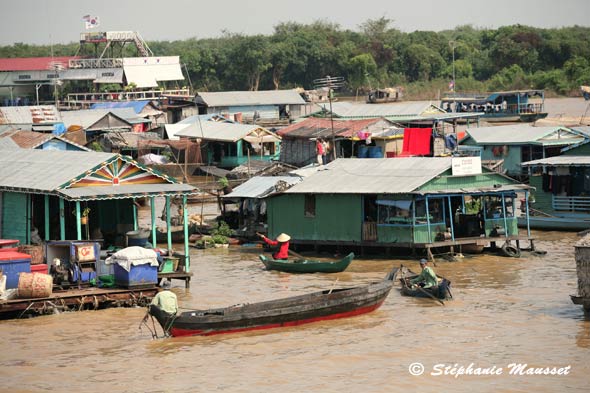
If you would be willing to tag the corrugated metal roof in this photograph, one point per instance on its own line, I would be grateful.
(127, 191)
(88, 117)
(373, 175)
(244, 98)
(218, 131)
(389, 110)
(261, 186)
(8, 144)
(45, 170)
(45, 114)
(320, 127)
(27, 139)
(524, 134)
(560, 161)
(34, 63)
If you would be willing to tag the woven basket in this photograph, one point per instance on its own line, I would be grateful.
(34, 285)
(36, 253)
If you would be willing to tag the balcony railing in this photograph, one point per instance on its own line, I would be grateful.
(80, 98)
(571, 204)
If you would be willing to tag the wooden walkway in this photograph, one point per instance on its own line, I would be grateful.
(77, 299)
(387, 248)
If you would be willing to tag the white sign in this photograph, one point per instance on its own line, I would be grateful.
(466, 166)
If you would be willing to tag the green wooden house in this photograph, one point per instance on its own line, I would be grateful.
(401, 202)
(53, 190)
(515, 144)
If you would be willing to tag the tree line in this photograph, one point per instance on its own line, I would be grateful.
(377, 55)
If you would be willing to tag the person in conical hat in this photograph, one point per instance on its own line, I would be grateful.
(282, 241)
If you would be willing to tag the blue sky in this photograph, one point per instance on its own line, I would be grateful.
(60, 21)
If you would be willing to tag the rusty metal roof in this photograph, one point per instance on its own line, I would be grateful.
(319, 127)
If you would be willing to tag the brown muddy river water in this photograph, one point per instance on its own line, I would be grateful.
(505, 311)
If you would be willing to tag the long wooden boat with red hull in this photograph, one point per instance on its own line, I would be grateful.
(291, 311)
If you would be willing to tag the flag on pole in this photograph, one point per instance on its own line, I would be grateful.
(452, 85)
(91, 21)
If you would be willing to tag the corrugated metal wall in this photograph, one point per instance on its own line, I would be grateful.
(298, 152)
(14, 217)
(338, 217)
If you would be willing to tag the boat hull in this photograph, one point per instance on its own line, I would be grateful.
(307, 266)
(293, 311)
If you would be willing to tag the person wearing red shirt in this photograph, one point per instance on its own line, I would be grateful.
(282, 241)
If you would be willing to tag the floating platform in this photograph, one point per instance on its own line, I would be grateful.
(90, 298)
(457, 245)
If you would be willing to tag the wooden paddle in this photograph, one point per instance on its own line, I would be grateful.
(429, 294)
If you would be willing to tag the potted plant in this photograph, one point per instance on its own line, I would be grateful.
(83, 215)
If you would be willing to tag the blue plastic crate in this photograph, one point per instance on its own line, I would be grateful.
(12, 264)
(138, 276)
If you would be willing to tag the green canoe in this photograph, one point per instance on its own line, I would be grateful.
(307, 265)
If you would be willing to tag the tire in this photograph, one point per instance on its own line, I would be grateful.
(510, 251)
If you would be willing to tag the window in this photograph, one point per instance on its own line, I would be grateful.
(394, 212)
(309, 205)
(493, 206)
(435, 211)
(21, 77)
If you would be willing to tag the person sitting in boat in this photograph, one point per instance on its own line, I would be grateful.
(427, 278)
(282, 241)
(166, 300)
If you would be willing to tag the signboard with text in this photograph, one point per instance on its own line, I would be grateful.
(466, 166)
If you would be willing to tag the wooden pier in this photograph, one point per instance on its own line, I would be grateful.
(90, 298)
(458, 245)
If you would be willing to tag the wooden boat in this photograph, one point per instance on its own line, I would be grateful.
(441, 292)
(307, 265)
(556, 223)
(291, 311)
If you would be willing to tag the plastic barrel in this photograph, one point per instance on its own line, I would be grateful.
(362, 151)
(375, 152)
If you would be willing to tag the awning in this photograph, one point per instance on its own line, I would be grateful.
(127, 191)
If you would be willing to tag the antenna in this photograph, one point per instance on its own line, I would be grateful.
(329, 84)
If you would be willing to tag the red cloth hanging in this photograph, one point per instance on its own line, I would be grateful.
(416, 142)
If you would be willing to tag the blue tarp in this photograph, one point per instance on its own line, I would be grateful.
(136, 105)
(58, 129)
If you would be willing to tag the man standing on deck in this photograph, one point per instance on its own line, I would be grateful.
(427, 278)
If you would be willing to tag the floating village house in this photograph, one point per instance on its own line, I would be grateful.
(298, 146)
(562, 188)
(413, 202)
(142, 108)
(265, 106)
(24, 139)
(515, 144)
(251, 197)
(50, 190)
(230, 144)
(98, 121)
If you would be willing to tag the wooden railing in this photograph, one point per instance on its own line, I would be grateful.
(572, 204)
